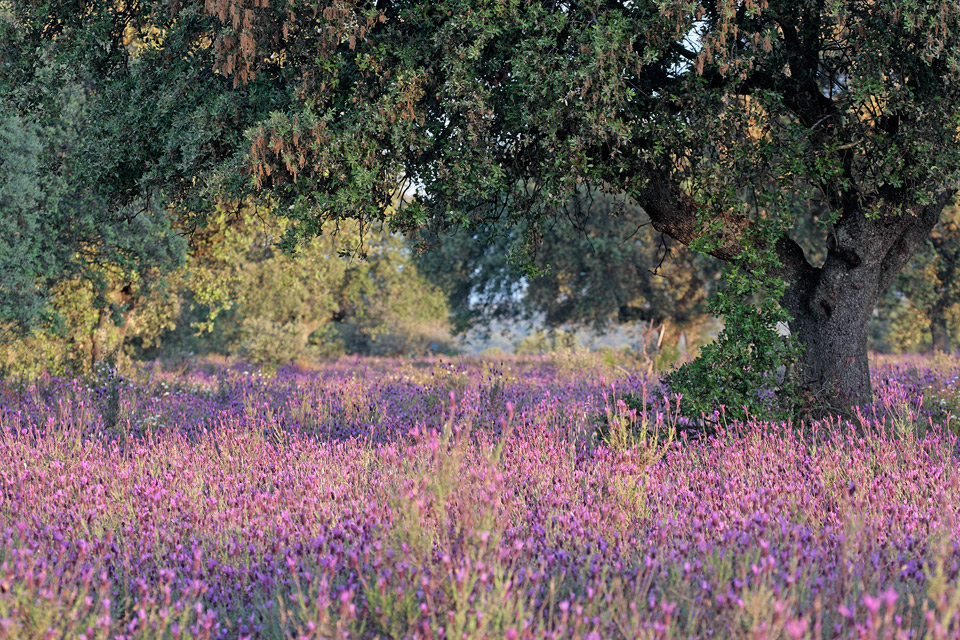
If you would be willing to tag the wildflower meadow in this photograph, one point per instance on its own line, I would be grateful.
(516, 498)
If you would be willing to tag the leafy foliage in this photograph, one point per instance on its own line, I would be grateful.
(114, 126)
(718, 118)
(273, 306)
(238, 294)
(745, 372)
(268, 306)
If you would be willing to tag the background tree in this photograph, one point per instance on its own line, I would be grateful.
(62, 241)
(238, 295)
(921, 310)
(597, 266)
(248, 298)
(114, 125)
(392, 308)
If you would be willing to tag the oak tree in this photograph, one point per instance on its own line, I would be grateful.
(115, 128)
(714, 116)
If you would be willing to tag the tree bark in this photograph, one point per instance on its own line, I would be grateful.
(830, 320)
(832, 305)
(308, 328)
(100, 338)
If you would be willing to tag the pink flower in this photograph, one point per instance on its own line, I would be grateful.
(796, 628)
(889, 598)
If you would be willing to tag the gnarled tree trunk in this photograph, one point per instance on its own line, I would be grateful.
(98, 338)
(939, 336)
(832, 304)
(105, 343)
(307, 329)
(830, 320)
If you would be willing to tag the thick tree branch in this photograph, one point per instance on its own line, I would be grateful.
(676, 214)
(798, 273)
(915, 229)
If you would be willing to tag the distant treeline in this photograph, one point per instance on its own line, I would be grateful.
(237, 293)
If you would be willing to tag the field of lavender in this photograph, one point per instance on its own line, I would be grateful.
(469, 499)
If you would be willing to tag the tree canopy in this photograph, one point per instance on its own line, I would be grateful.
(237, 295)
(322, 299)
